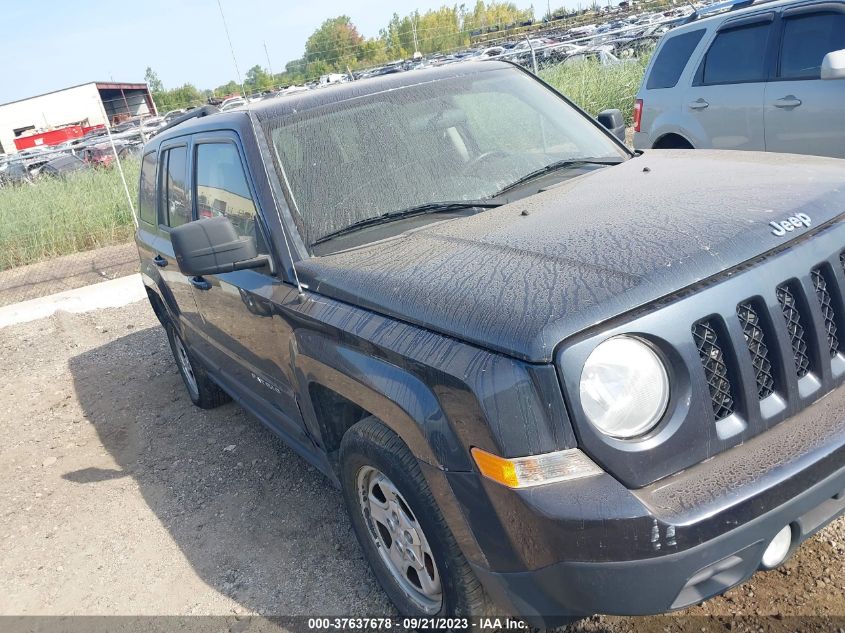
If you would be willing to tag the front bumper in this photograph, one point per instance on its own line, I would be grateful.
(663, 583)
(592, 546)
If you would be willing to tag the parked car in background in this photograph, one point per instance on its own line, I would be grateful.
(233, 102)
(551, 377)
(63, 166)
(172, 114)
(13, 171)
(102, 154)
(769, 77)
(150, 126)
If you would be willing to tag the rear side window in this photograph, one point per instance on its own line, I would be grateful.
(738, 55)
(672, 59)
(173, 194)
(147, 194)
(806, 40)
(222, 189)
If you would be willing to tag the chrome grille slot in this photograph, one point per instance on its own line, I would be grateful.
(707, 339)
(755, 339)
(797, 334)
(821, 285)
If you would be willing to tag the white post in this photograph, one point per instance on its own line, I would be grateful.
(533, 54)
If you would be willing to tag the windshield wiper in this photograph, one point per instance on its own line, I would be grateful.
(421, 209)
(560, 164)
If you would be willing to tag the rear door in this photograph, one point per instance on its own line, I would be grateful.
(147, 237)
(725, 102)
(803, 114)
(174, 209)
(242, 336)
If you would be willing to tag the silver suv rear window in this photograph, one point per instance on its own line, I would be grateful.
(672, 59)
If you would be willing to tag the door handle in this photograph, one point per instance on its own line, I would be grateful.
(200, 284)
(698, 104)
(159, 261)
(790, 101)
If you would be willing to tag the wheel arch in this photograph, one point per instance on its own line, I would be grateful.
(157, 305)
(672, 140)
(339, 386)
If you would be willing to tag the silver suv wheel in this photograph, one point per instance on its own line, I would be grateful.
(399, 539)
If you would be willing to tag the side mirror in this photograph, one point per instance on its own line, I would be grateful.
(212, 246)
(833, 65)
(614, 122)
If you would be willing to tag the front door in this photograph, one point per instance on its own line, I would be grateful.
(804, 114)
(241, 334)
(174, 209)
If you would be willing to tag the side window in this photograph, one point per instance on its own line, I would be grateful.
(172, 188)
(807, 38)
(222, 189)
(738, 55)
(147, 189)
(672, 59)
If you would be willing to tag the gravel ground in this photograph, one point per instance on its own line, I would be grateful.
(67, 272)
(117, 496)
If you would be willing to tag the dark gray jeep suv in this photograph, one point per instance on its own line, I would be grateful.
(552, 377)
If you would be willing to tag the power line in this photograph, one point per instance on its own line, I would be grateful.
(231, 48)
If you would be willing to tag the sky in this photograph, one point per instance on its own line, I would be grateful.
(60, 43)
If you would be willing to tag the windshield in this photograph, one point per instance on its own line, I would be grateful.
(453, 139)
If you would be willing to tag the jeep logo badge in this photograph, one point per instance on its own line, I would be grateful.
(790, 224)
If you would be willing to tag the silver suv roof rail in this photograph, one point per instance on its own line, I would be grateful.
(723, 7)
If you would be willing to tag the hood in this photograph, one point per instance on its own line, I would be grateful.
(521, 278)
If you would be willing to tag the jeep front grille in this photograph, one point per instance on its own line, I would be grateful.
(825, 302)
(795, 328)
(706, 338)
(789, 331)
(755, 340)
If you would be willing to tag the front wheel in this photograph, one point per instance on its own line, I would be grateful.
(203, 391)
(400, 527)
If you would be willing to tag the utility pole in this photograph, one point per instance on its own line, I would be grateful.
(417, 53)
(232, 49)
(270, 66)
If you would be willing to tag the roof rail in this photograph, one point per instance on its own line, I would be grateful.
(723, 7)
(196, 113)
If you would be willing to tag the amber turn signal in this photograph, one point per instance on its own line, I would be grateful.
(535, 470)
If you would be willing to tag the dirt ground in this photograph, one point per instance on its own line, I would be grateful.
(117, 496)
(67, 272)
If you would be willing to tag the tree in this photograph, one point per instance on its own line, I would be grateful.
(153, 81)
(337, 43)
(185, 96)
(257, 79)
(227, 89)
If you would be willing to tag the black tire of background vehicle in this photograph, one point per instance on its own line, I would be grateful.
(672, 141)
(371, 443)
(208, 395)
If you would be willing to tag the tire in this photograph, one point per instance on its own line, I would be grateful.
(202, 390)
(672, 141)
(373, 458)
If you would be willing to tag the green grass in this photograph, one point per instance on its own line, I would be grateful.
(56, 217)
(595, 87)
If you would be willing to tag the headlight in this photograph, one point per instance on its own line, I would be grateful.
(624, 387)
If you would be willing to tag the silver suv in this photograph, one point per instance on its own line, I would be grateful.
(753, 78)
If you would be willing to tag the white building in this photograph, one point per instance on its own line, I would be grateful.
(78, 105)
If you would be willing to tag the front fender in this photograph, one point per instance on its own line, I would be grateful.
(390, 392)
